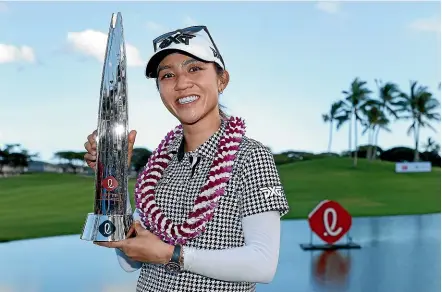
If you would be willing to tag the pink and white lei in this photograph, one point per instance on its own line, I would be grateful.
(210, 193)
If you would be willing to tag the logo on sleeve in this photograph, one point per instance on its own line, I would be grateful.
(271, 191)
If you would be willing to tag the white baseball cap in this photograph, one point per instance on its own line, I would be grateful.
(194, 40)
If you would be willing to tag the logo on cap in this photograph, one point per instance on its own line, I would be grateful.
(180, 38)
(215, 53)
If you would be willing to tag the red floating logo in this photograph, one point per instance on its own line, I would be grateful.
(331, 267)
(109, 183)
(329, 221)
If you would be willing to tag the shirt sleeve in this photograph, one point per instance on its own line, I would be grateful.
(254, 262)
(261, 187)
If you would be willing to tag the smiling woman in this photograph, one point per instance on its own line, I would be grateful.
(189, 87)
(222, 74)
(202, 63)
(205, 220)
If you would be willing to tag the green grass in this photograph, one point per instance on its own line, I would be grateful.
(39, 205)
(372, 189)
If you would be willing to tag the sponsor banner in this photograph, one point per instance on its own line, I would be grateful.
(413, 167)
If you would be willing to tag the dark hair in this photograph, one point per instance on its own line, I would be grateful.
(219, 72)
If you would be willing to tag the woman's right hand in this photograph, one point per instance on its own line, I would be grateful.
(91, 147)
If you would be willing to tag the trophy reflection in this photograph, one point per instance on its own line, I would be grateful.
(112, 216)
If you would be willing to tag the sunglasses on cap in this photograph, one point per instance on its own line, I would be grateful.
(182, 36)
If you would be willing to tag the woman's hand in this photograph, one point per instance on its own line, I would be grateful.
(91, 147)
(144, 247)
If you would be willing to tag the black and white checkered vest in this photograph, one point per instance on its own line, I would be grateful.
(254, 169)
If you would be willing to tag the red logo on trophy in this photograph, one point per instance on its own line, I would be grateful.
(109, 183)
(329, 221)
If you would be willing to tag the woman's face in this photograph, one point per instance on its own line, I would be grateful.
(189, 88)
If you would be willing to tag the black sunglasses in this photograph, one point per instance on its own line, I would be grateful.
(183, 36)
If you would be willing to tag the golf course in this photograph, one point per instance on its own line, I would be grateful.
(50, 204)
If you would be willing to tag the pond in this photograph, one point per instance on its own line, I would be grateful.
(399, 253)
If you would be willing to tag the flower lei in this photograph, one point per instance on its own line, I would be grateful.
(210, 193)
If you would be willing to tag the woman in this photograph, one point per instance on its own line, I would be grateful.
(208, 203)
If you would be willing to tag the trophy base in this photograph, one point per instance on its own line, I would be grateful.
(106, 227)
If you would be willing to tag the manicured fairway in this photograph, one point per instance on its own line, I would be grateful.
(37, 205)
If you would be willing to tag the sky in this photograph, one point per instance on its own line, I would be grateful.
(288, 62)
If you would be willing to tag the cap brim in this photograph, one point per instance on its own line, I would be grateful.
(155, 60)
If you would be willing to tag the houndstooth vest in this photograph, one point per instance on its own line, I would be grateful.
(254, 168)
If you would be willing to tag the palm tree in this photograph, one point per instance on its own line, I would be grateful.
(344, 117)
(431, 146)
(355, 98)
(419, 106)
(388, 94)
(330, 117)
(375, 120)
(436, 148)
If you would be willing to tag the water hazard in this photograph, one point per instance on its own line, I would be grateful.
(400, 253)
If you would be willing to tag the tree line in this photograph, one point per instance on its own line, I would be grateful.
(370, 112)
(360, 108)
(16, 156)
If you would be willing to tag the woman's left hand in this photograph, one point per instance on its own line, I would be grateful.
(144, 247)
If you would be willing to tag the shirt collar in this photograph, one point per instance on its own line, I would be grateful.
(207, 149)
